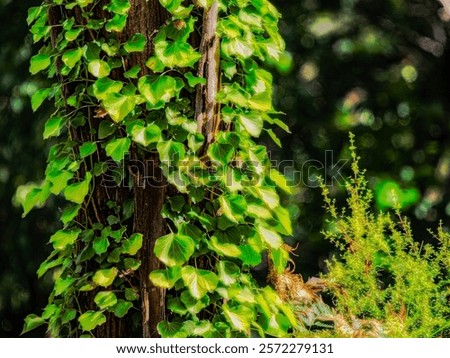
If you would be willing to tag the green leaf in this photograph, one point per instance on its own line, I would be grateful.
(221, 153)
(99, 68)
(34, 196)
(166, 278)
(53, 127)
(117, 23)
(171, 152)
(223, 248)
(62, 285)
(32, 321)
(193, 80)
(119, 106)
(280, 259)
(158, 90)
(249, 255)
(59, 180)
(105, 277)
(233, 207)
(176, 54)
(84, 3)
(91, 319)
(270, 236)
(133, 244)
(228, 272)
(48, 265)
(70, 213)
(252, 123)
(284, 224)
(145, 135)
(136, 43)
(71, 57)
(174, 249)
(117, 148)
(280, 180)
(100, 245)
(105, 299)
(274, 137)
(122, 307)
(39, 62)
(199, 282)
(120, 6)
(72, 34)
(39, 97)
(133, 72)
(77, 192)
(68, 315)
(240, 317)
(104, 87)
(105, 129)
(192, 304)
(87, 149)
(175, 8)
(171, 330)
(62, 238)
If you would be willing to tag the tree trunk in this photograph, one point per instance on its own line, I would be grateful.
(145, 17)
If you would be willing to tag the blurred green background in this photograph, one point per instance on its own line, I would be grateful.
(379, 68)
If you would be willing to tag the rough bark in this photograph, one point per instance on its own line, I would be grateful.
(207, 108)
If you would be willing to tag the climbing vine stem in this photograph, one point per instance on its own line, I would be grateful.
(191, 97)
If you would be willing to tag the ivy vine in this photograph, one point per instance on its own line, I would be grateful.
(225, 212)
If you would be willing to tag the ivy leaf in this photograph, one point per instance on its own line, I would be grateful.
(274, 137)
(117, 148)
(221, 153)
(119, 106)
(71, 57)
(252, 123)
(78, 191)
(233, 207)
(193, 81)
(70, 213)
(39, 97)
(32, 321)
(84, 3)
(91, 319)
(284, 224)
(240, 317)
(39, 62)
(171, 152)
(199, 282)
(100, 245)
(117, 23)
(105, 129)
(145, 135)
(176, 9)
(99, 68)
(105, 299)
(59, 180)
(166, 278)
(62, 238)
(158, 90)
(87, 149)
(176, 54)
(72, 34)
(121, 308)
(223, 248)
(53, 127)
(192, 304)
(136, 43)
(105, 277)
(270, 236)
(104, 87)
(174, 249)
(120, 6)
(133, 244)
(133, 72)
(249, 255)
(280, 180)
(171, 330)
(228, 272)
(280, 259)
